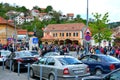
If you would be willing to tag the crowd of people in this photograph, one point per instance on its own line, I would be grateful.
(66, 48)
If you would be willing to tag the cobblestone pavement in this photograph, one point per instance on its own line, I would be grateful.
(6, 74)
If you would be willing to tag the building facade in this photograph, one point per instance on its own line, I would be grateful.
(63, 33)
(7, 31)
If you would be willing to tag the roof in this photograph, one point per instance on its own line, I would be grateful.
(70, 14)
(30, 33)
(3, 21)
(21, 32)
(64, 27)
(48, 37)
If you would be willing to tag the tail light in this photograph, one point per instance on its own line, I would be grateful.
(19, 60)
(112, 67)
(66, 71)
(1, 56)
(87, 69)
(35, 59)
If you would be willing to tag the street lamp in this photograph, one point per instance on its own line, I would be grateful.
(12, 15)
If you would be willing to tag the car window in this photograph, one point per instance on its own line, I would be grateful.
(42, 60)
(94, 58)
(85, 58)
(115, 76)
(69, 61)
(50, 61)
(108, 58)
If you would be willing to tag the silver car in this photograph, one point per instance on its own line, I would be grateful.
(4, 54)
(59, 68)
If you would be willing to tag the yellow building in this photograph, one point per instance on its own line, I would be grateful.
(63, 33)
(7, 30)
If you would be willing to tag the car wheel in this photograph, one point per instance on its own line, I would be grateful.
(32, 73)
(98, 72)
(51, 77)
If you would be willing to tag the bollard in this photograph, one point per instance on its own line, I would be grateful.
(40, 72)
(18, 68)
(55, 74)
(28, 71)
(10, 65)
(76, 77)
(3, 64)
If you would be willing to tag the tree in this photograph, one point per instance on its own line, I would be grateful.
(48, 8)
(99, 28)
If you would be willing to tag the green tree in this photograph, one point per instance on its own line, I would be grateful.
(48, 8)
(99, 28)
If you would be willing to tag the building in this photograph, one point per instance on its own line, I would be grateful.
(7, 31)
(63, 33)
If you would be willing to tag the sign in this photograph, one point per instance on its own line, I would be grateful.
(35, 40)
(87, 36)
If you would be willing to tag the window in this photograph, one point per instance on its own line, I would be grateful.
(50, 61)
(62, 34)
(42, 61)
(115, 76)
(85, 58)
(74, 34)
(67, 35)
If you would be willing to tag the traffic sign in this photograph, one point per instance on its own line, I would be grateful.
(35, 40)
(87, 37)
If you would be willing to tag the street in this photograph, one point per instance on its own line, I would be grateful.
(6, 74)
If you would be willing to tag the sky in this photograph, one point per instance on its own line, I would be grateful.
(75, 6)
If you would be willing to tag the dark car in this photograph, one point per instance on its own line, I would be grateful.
(100, 63)
(24, 57)
(113, 75)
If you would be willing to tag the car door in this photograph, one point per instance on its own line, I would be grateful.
(48, 67)
(8, 60)
(94, 62)
(39, 64)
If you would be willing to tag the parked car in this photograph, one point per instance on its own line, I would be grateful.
(51, 54)
(35, 53)
(113, 75)
(100, 63)
(63, 67)
(3, 55)
(24, 57)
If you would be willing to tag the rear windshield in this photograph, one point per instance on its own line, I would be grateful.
(69, 61)
(110, 58)
(23, 54)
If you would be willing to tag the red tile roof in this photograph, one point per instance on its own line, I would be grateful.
(70, 14)
(21, 32)
(3, 21)
(30, 33)
(65, 27)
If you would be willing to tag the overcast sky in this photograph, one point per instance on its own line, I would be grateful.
(75, 6)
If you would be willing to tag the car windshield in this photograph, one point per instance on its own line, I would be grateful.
(23, 54)
(69, 61)
(110, 59)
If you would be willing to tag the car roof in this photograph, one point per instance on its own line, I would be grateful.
(60, 56)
